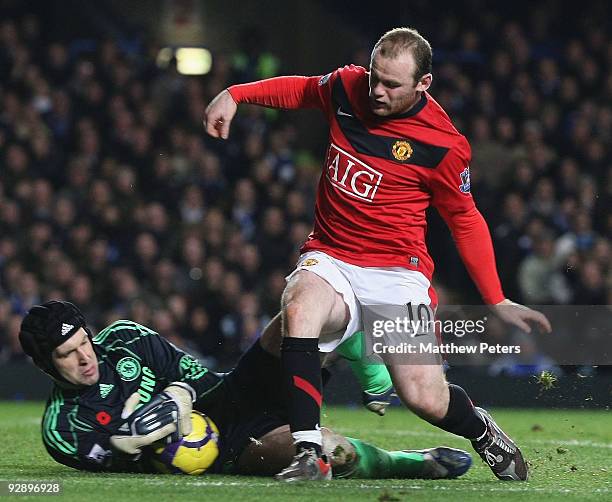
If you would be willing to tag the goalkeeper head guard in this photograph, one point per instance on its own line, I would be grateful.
(46, 327)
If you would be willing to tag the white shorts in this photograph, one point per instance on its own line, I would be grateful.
(361, 286)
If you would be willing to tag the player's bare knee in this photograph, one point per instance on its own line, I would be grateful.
(295, 314)
(305, 305)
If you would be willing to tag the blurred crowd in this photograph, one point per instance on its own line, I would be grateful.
(112, 196)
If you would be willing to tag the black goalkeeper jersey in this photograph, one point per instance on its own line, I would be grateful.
(77, 424)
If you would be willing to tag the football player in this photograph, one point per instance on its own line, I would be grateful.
(120, 391)
(393, 152)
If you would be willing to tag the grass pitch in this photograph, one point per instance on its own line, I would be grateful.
(569, 453)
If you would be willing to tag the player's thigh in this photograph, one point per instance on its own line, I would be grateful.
(269, 454)
(309, 300)
(422, 388)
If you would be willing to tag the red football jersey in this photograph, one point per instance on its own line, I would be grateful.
(380, 175)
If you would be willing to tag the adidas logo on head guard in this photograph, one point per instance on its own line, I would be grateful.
(66, 328)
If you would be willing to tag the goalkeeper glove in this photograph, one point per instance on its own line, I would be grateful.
(378, 403)
(167, 415)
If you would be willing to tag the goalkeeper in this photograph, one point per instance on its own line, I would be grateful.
(120, 391)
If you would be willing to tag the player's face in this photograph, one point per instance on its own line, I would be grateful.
(76, 360)
(393, 88)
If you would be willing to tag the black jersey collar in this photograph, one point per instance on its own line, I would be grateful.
(412, 111)
(376, 145)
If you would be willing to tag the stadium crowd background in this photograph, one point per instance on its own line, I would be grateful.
(112, 196)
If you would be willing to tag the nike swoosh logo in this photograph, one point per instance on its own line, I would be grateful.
(343, 114)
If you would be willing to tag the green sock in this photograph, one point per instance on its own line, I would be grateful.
(374, 378)
(376, 463)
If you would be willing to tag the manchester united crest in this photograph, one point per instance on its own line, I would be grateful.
(401, 150)
(309, 262)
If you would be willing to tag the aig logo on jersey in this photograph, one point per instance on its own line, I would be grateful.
(350, 175)
(465, 180)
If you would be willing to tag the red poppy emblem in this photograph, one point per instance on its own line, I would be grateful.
(103, 418)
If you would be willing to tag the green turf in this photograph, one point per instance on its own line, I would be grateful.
(568, 451)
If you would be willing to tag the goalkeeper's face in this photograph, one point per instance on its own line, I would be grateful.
(76, 361)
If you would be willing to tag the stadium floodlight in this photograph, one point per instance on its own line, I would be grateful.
(193, 61)
(189, 60)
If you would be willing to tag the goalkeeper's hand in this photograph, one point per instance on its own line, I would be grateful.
(168, 414)
(184, 396)
(378, 403)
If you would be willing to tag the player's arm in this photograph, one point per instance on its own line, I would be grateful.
(184, 381)
(288, 92)
(76, 444)
(172, 364)
(450, 187)
(168, 362)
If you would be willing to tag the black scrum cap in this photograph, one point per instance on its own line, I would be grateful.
(46, 327)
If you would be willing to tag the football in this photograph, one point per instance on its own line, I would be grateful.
(193, 454)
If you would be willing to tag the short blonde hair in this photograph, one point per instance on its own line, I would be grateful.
(396, 41)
